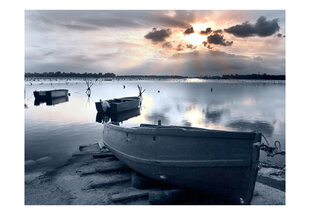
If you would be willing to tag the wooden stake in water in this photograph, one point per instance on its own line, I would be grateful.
(89, 85)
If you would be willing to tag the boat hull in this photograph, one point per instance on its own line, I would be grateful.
(120, 105)
(50, 94)
(219, 164)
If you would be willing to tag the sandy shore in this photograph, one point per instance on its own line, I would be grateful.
(73, 184)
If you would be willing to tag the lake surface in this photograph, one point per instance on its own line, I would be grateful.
(53, 133)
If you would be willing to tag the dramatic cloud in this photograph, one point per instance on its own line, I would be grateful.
(200, 63)
(158, 35)
(80, 27)
(118, 41)
(205, 44)
(190, 46)
(167, 45)
(90, 20)
(180, 47)
(262, 28)
(219, 40)
(207, 31)
(219, 31)
(189, 30)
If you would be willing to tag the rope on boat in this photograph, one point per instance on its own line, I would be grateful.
(270, 150)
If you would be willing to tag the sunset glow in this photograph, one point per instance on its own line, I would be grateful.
(195, 39)
(195, 117)
(155, 42)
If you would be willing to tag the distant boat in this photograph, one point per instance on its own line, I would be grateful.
(119, 104)
(108, 79)
(50, 94)
(221, 163)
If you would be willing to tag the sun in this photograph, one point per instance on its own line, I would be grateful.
(195, 38)
(200, 26)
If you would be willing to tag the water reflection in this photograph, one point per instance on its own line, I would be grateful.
(259, 126)
(102, 116)
(214, 116)
(231, 106)
(155, 116)
(194, 116)
(51, 101)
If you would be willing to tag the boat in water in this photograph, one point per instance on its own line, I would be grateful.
(223, 164)
(50, 94)
(118, 105)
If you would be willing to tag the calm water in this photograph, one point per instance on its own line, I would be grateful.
(53, 133)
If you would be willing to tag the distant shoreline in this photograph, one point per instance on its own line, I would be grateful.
(112, 76)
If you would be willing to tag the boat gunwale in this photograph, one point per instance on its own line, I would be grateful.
(174, 131)
(129, 99)
(51, 90)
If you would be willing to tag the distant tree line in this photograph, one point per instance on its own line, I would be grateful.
(255, 77)
(152, 76)
(59, 74)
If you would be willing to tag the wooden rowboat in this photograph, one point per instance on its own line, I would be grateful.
(50, 94)
(223, 164)
(118, 105)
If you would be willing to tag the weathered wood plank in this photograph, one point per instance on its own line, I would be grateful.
(280, 185)
(103, 155)
(130, 195)
(109, 183)
(88, 147)
(85, 153)
(112, 168)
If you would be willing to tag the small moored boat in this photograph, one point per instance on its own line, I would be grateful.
(221, 163)
(50, 94)
(114, 106)
(118, 105)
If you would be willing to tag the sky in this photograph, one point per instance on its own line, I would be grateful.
(156, 42)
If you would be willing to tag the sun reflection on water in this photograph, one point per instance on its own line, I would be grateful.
(194, 116)
(146, 106)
